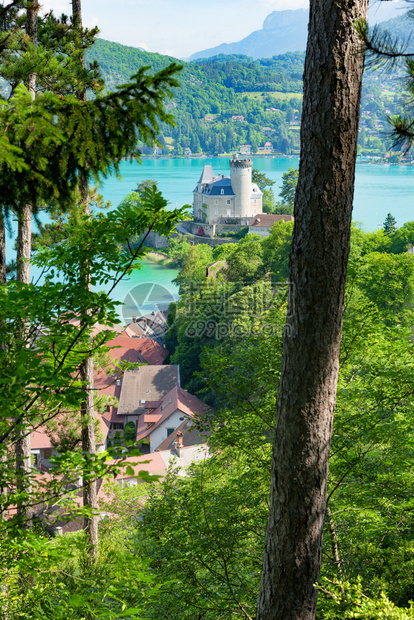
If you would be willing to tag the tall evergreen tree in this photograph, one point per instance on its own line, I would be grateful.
(390, 224)
(87, 368)
(24, 245)
(318, 266)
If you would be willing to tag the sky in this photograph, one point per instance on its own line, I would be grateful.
(180, 28)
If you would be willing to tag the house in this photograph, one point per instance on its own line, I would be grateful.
(261, 223)
(187, 152)
(162, 418)
(268, 147)
(152, 325)
(42, 449)
(146, 383)
(235, 197)
(209, 117)
(237, 118)
(245, 149)
(141, 350)
(134, 330)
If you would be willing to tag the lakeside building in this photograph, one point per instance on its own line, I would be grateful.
(261, 223)
(235, 197)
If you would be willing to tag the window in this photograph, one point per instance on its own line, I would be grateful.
(117, 426)
(170, 431)
(228, 202)
(48, 453)
(222, 191)
(216, 202)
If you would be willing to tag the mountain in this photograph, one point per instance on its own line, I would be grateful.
(283, 31)
(287, 31)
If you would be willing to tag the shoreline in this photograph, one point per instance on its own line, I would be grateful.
(159, 258)
(361, 159)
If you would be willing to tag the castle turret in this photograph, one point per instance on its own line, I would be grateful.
(241, 181)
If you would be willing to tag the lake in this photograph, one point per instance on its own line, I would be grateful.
(379, 189)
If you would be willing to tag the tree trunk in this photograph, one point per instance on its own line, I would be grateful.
(24, 249)
(318, 264)
(2, 248)
(89, 445)
(87, 407)
(24, 244)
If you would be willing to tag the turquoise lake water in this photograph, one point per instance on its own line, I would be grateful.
(379, 190)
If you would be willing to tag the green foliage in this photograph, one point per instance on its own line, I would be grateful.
(194, 265)
(177, 249)
(390, 224)
(276, 248)
(245, 261)
(42, 323)
(265, 185)
(288, 189)
(203, 542)
(64, 586)
(402, 239)
(388, 281)
(130, 431)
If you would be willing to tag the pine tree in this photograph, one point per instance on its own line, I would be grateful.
(58, 139)
(390, 224)
(87, 368)
(24, 244)
(318, 267)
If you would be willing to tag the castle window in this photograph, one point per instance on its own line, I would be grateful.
(228, 201)
(216, 202)
(255, 202)
(222, 191)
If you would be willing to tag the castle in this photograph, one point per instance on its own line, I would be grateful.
(217, 198)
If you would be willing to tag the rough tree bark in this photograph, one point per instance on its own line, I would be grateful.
(2, 248)
(88, 406)
(24, 248)
(318, 265)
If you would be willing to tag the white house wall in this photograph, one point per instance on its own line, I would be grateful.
(160, 433)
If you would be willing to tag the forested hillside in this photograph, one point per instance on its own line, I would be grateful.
(264, 94)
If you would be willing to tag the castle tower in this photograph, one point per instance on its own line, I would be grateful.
(241, 182)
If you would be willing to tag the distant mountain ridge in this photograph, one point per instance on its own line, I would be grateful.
(283, 31)
(287, 31)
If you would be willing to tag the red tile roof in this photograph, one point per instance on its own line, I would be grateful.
(268, 219)
(39, 439)
(177, 398)
(137, 350)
